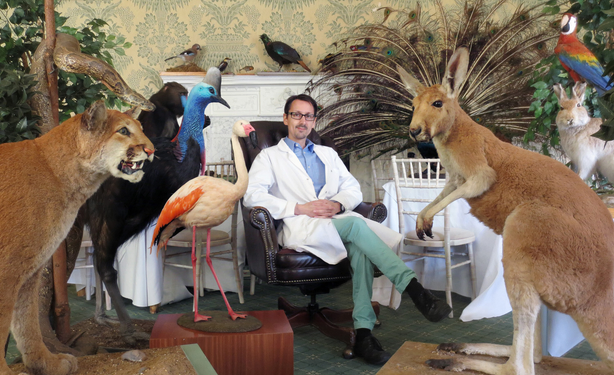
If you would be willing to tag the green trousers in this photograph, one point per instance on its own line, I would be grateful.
(366, 249)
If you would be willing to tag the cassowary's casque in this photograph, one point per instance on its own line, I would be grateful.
(205, 202)
(578, 60)
(282, 53)
(365, 103)
(119, 211)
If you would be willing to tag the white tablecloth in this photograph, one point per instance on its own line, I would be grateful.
(140, 278)
(559, 332)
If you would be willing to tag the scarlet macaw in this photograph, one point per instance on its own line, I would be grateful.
(578, 60)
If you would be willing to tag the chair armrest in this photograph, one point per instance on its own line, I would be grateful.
(374, 211)
(261, 237)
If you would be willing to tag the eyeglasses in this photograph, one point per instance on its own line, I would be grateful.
(298, 116)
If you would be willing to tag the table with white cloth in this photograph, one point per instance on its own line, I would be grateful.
(139, 272)
(559, 332)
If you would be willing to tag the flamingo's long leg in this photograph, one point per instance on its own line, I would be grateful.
(197, 317)
(232, 314)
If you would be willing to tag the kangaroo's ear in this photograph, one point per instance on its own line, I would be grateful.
(456, 72)
(411, 84)
(95, 117)
(560, 92)
(579, 89)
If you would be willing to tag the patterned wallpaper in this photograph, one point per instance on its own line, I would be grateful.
(160, 29)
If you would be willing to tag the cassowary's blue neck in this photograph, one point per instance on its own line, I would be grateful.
(192, 127)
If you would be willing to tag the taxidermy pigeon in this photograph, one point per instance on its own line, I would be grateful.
(282, 53)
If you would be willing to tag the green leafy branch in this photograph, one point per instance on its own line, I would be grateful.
(21, 32)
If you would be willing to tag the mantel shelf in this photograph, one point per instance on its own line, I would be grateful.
(259, 79)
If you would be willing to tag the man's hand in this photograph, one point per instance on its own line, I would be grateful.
(321, 209)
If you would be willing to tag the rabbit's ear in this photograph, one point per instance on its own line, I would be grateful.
(560, 92)
(579, 89)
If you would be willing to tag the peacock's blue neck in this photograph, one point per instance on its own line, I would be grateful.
(192, 127)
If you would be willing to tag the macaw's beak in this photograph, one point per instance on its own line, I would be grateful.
(220, 100)
(254, 139)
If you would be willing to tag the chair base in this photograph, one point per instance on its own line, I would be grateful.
(325, 320)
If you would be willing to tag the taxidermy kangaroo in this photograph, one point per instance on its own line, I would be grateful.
(44, 183)
(558, 237)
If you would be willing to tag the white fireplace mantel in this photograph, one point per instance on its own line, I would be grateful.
(251, 97)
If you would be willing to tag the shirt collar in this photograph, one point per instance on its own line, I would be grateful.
(308, 144)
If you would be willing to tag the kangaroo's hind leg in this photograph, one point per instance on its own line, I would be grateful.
(519, 240)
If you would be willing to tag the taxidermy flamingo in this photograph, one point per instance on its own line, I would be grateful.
(577, 59)
(118, 210)
(205, 202)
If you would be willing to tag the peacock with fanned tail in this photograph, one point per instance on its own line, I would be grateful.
(365, 105)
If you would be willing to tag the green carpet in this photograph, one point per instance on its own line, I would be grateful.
(315, 353)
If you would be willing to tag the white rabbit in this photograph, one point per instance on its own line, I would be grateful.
(588, 154)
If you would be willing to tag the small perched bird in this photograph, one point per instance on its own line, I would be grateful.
(224, 64)
(577, 59)
(188, 55)
(206, 202)
(282, 53)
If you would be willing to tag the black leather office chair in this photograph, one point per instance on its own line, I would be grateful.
(276, 265)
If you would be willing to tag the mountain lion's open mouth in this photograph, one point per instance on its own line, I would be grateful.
(128, 167)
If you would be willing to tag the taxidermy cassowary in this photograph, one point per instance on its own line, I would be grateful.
(282, 53)
(368, 109)
(577, 59)
(169, 102)
(119, 211)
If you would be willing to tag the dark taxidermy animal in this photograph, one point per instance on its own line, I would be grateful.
(119, 211)
(369, 106)
(169, 102)
(282, 53)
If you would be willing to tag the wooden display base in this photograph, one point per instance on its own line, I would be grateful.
(269, 349)
(410, 358)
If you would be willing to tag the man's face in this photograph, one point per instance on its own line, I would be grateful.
(298, 130)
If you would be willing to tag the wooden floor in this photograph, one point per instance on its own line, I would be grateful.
(410, 358)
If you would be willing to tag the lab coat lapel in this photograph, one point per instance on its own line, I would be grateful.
(292, 156)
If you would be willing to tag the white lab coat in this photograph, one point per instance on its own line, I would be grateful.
(278, 181)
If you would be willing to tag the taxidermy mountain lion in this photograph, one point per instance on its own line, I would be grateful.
(558, 236)
(43, 182)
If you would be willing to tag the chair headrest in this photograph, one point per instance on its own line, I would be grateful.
(269, 133)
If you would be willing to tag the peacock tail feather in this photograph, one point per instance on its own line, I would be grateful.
(365, 104)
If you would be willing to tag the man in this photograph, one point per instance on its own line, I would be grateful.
(311, 190)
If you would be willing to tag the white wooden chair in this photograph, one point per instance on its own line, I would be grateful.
(225, 170)
(380, 173)
(85, 261)
(427, 174)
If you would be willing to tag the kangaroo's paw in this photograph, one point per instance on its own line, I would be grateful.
(451, 347)
(445, 364)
